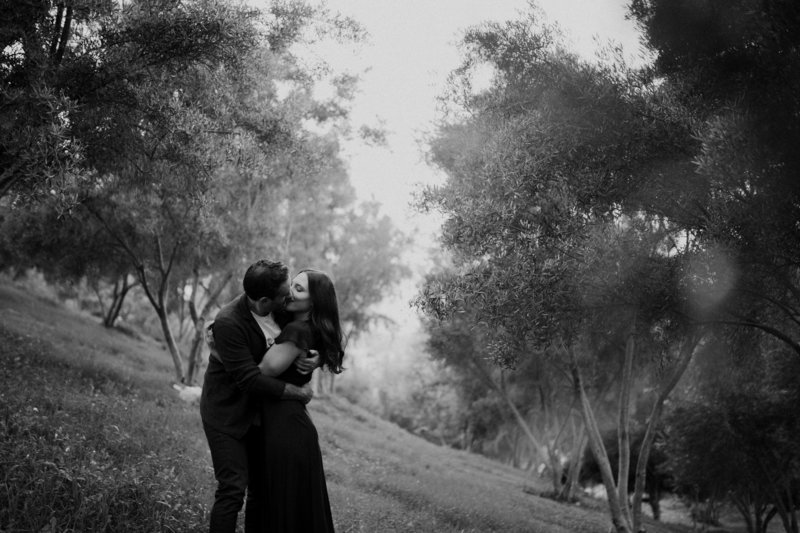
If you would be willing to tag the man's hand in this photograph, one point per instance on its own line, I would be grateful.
(307, 364)
(302, 394)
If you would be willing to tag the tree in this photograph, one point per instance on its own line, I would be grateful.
(366, 260)
(733, 70)
(732, 67)
(150, 125)
(733, 436)
(549, 174)
(64, 248)
(535, 400)
(42, 44)
(192, 160)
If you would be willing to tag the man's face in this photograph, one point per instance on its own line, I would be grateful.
(265, 305)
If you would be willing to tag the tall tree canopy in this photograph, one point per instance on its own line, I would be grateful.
(617, 215)
(184, 138)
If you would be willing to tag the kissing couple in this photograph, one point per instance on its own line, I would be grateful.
(265, 346)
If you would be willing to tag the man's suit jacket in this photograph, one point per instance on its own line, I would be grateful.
(233, 384)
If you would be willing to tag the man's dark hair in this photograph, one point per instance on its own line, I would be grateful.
(263, 279)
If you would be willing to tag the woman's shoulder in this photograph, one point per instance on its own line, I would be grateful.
(298, 332)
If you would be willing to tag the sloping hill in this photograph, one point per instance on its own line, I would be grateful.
(94, 438)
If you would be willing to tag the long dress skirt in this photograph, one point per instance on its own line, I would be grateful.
(296, 492)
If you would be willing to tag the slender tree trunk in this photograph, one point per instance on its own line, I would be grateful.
(556, 470)
(523, 425)
(159, 303)
(781, 506)
(686, 353)
(99, 297)
(183, 329)
(550, 445)
(172, 346)
(619, 520)
(750, 518)
(559, 486)
(169, 338)
(624, 422)
(65, 31)
(577, 463)
(200, 320)
(56, 37)
(195, 350)
(118, 298)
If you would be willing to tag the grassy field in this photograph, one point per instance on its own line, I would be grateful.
(94, 438)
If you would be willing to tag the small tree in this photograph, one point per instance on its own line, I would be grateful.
(64, 248)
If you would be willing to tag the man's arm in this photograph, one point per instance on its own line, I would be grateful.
(230, 343)
(302, 394)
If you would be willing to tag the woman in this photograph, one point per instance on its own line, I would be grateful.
(296, 493)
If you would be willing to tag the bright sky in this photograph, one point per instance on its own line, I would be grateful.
(403, 67)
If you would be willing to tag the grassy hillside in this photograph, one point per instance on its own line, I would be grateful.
(93, 438)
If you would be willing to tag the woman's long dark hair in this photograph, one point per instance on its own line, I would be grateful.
(325, 318)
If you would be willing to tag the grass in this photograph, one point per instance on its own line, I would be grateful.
(94, 439)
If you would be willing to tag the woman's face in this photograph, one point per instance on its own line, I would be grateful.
(301, 298)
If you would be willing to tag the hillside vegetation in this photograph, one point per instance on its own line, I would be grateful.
(93, 438)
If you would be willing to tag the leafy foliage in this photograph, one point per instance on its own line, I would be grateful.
(193, 145)
(560, 218)
(735, 438)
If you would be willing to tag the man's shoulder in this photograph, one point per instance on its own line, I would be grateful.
(231, 310)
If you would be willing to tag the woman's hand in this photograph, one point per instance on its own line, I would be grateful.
(306, 364)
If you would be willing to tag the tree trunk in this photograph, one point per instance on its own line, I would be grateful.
(784, 508)
(200, 320)
(56, 37)
(687, 352)
(623, 426)
(62, 45)
(744, 510)
(576, 462)
(198, 341)
(541, 450)
(160, 306)
(619, 520)
(183, 327)
(172, 346)
(552, 445)
(117, 299)
(523, 425)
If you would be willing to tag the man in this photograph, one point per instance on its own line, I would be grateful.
(242, 332)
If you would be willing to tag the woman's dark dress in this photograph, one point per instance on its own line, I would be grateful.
(296, 493)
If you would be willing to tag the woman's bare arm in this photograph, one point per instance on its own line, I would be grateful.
(278, 358)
